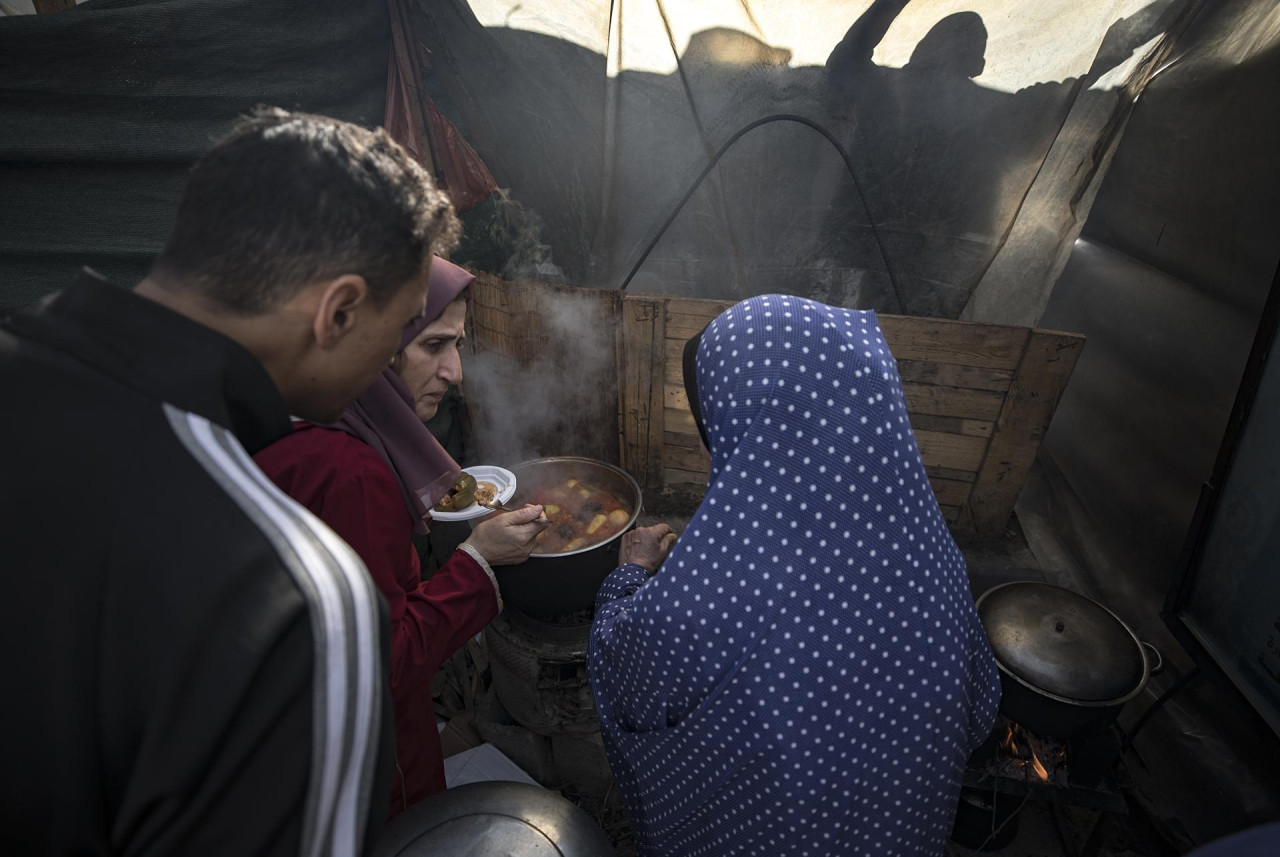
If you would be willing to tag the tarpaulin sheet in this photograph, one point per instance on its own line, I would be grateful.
(600, 115)
(104, 107)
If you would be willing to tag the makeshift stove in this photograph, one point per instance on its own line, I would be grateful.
(547, 719)
(1015, 766)
(540, 670)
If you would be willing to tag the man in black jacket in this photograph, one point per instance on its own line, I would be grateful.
(192, 663)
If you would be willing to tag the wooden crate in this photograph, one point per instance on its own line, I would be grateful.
(979, 397)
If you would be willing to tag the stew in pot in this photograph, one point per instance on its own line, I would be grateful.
(581, 515)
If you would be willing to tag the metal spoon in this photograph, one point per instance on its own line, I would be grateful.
(497, 506)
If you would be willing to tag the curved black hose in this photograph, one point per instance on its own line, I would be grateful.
(715, 159)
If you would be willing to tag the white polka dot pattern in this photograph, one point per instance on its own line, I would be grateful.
(806, 675)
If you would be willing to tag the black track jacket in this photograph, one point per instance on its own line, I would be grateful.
(191, 663)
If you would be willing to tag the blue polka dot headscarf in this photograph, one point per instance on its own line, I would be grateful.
(806, 674)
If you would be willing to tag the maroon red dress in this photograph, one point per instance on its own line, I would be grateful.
(349, 486)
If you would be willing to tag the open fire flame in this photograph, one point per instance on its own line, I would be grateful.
(1019, 748)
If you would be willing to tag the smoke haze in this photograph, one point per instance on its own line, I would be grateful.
(559, 398)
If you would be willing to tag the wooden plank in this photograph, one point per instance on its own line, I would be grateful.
(680, 422)
(949, 513)
(953, 401)
(673, 357)
(1042, 374)
(951, 492)
(961, 342)
(693, 460)
(682, 327)
(685, 441)
(699, 307)
(954, 451)
(687, 317)
(690, 461)
(675, 478)
(674, 396)
(953, 375)
(925, 365)
(43, 7)
(954, 425)
(640, 389)
(948, 473)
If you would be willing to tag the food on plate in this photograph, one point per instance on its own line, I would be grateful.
(581, 515)
(460, 496)
(485, 492)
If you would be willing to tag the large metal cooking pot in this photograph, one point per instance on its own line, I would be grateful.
(1067, 664)
(558, 583)
(484, 819)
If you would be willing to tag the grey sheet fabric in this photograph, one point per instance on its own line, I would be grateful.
(1167, 281)
(104, 107)
(602, 125)
(1017, 285)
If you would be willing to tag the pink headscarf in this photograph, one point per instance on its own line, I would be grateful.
(384, 416)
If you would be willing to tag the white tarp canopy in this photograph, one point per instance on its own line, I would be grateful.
(601, 116)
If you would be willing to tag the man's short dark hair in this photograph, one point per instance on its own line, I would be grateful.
(287, 199)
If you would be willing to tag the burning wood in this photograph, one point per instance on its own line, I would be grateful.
(1024, 751)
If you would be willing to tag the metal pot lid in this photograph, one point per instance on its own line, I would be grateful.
(1060, 642)
(488, 818)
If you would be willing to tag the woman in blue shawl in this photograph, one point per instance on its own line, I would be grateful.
(807, 673)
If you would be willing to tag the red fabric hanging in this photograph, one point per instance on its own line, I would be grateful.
(458, 170)
(467, 179)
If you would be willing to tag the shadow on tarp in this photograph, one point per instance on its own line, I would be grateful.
(943, 163)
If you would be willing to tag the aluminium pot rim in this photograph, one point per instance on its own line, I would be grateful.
(582, 459)
(1079, 703)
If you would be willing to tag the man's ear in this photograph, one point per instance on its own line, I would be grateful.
(335, 314)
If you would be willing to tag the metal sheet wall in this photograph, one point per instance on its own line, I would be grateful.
(1168, 280)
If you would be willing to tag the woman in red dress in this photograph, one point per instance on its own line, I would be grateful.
(373, 477)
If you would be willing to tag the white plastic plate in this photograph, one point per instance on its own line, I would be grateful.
(504, 480)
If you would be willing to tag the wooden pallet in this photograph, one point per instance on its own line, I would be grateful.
(979, 396)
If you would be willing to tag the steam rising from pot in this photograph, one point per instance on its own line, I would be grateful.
(558, 396)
